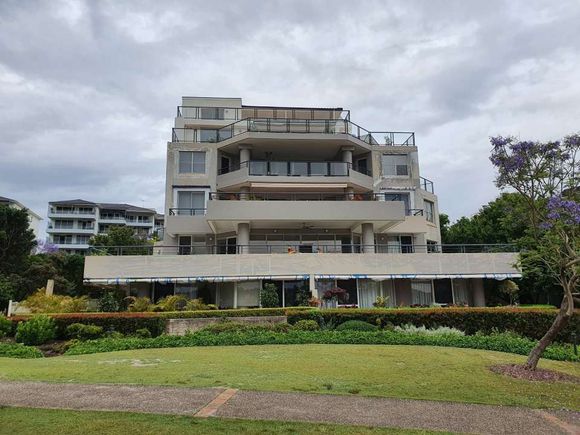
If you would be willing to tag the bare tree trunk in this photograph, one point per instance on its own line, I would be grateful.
(560, 322)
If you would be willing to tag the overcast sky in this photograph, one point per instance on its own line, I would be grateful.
(88, 89)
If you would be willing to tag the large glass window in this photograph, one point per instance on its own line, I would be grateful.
(430, 211)
(399, 197)
(190, 202)
(395, 165)
(192, 162)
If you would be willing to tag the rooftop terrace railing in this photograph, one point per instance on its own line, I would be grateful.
(274, 112)
(300, 126)
(303, 248)
(426, 184)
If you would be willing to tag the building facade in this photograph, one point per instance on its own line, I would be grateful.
(299, 197)
(33, 219)
(72, 223)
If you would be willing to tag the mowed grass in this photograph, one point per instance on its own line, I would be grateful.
(38, 421)
(415, 372)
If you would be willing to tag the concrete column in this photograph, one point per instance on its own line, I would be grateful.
(312, 286)
(421, 242)
(478, 292)
(368, 238)
(244, 193)
(347, 154)
(245, 153)
(243, 237)
(350, 193)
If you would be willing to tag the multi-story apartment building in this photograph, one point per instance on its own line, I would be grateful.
(299, 197)
(73, 222)
(33, 219)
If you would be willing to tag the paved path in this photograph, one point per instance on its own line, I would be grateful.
(221, 402)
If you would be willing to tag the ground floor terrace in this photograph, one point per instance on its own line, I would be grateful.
(362, 292)
(232, 281)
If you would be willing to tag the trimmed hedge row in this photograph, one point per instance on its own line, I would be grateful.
(130, 323)
(532, 322)
(496, 342)
(17, 350)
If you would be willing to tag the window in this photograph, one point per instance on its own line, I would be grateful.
(211, 113)
(395, 165)
(430, 211)
(63, 224)
(421, 293)
(399, 197)
(192, 162)
(63, 240)
(83, 240)
(206, 135)
(190, 203)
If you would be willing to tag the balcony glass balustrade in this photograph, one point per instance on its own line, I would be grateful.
(294, 169)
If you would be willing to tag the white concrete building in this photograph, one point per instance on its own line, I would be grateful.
(299, 197)
(73, 222)
(33, 219)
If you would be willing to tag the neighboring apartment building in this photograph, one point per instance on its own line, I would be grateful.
(73, 222)
(299, 196)
(33, 219)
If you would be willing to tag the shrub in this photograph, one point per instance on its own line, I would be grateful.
(269, 296)
(38, 330)
(356, 325)
(336, 294)
(139, 305)
(5, 326)
(529, 322)
(109, 303)
(441, 330)
(303, 296)
(80, 331)
(143, 333)
(15, 350)
(381, 302)
(236, 327)
(40, 302)
(306, 325)
(198, 305)
(496, 342)
(171, 303)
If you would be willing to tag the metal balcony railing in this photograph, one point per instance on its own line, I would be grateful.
(187, 211)
(426, 184)
(289, 125)
(274, 112)
(294, 169)
(302, 248)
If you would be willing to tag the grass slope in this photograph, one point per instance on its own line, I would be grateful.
(416, 372)
(35, 421)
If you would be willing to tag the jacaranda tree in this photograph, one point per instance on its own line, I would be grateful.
(546, 174)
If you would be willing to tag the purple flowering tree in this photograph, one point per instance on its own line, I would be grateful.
(546, 174)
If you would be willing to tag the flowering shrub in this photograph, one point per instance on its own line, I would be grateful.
(336, 294)
(441, 330)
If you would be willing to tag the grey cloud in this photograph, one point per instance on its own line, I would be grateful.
(88, 89)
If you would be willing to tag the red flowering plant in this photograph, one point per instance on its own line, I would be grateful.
(337, 294)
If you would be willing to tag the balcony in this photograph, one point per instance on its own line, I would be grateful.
(276, 112)
(69, 230)
(256, 172)
(52, 212)
(326, 127)
(303, 248)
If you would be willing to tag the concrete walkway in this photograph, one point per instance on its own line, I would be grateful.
(231, 403)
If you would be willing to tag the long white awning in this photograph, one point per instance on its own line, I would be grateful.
(192, 279)
(498, 276)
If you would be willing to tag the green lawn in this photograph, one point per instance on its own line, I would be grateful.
(38, 421)
(417, 372)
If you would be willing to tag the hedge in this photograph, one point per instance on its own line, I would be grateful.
(17, 350)
(129, 323)
(496, 342)
(529, 322)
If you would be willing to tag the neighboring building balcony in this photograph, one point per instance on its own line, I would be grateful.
(69, 230)
(115, 220)
(325, 172)
(141, 224)
(237, 113)
(274, 128)
(52, 212)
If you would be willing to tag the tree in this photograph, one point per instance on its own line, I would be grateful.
(269, 296)
(123, 239)
(546, 175)
(16, 239)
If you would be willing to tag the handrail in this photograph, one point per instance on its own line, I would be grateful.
(426, 184)
(306, 247)
(177, 211)
(332, 169)
(290, 125)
